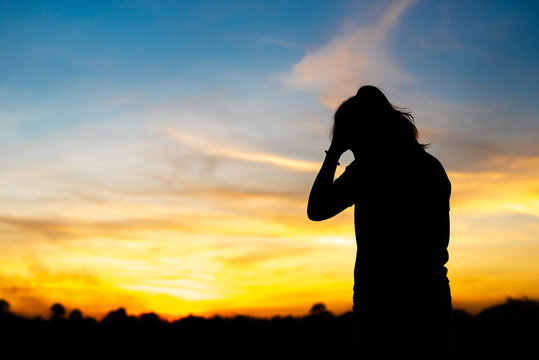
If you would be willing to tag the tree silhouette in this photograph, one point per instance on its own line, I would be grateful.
(58, 311)
(75, 315)
(116, 316)
(318, 308)
(4, 306)
(150, 318)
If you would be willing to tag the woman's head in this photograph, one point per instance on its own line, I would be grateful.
(368, 119)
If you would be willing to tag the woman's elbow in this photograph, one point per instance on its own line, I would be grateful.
(315, 214)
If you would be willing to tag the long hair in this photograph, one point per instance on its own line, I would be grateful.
(368, 119)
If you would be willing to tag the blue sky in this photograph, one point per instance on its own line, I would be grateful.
(127, 125)
(157, 39)
(461, 51)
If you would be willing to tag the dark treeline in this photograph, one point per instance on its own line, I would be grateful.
(511, 327)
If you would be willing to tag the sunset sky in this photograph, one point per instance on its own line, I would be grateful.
(158, 155)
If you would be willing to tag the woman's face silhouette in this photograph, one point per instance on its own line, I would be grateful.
(343, 136)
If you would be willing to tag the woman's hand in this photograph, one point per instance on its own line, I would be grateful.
(338, 145)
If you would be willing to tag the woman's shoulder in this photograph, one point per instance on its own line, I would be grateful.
(391, 159)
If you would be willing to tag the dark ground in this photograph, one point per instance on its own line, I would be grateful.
(510, 328)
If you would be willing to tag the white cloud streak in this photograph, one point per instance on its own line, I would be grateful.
(333, 71)
(217, 148)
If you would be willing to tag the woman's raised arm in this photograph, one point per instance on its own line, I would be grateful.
(324, 201)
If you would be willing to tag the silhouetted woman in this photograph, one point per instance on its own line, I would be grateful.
(402, 300)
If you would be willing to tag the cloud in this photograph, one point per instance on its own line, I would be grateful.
(335, 70)
(512, 188)
(465, 134)
(215, 147)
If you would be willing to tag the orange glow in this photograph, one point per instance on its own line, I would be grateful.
(258, 256)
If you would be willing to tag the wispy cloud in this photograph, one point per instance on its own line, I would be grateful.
(336, 69)
(218, 148)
